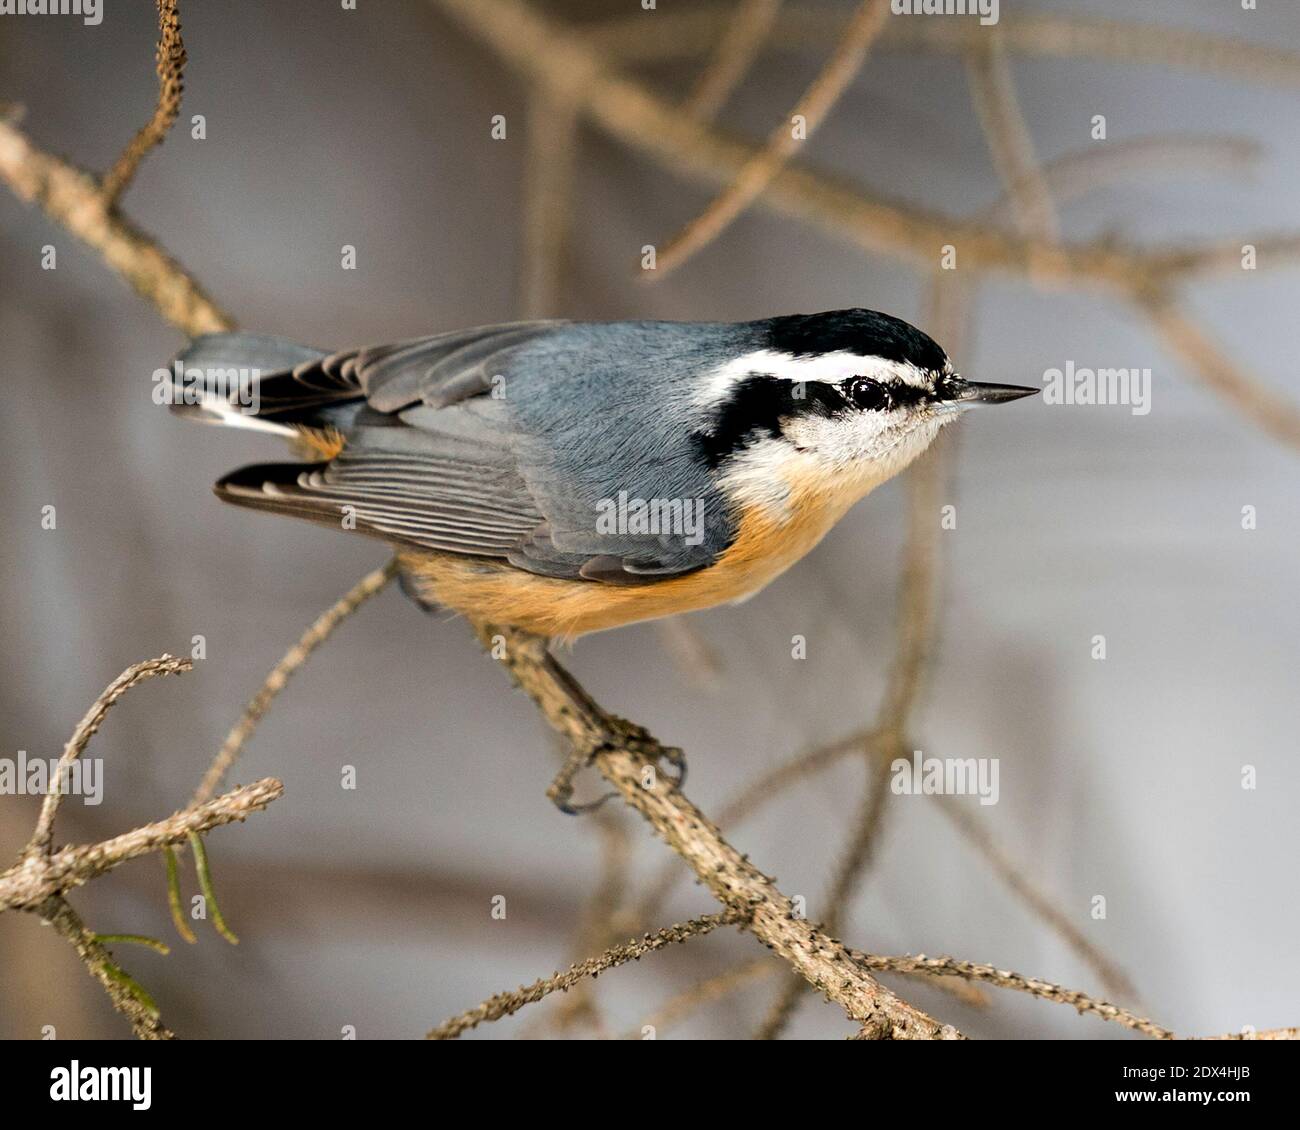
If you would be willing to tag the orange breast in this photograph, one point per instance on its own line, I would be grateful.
(768, 542)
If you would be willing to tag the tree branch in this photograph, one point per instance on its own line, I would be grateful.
(851, 48)
(320, 630)
(503, 1004)
(628, 758)
(39, 876)
(170, 66)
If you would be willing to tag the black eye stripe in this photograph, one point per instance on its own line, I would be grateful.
(892, 394)
(757, 406)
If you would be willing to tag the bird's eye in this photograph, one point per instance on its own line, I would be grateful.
(869, 394)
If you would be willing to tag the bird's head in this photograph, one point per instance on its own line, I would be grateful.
(855, 391)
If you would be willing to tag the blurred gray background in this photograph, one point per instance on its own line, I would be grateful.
(372, 907)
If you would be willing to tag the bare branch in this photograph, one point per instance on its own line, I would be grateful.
(170, 66)
(127, 996)
(994, 93)
(1008, 980)
(1264, 1034)
(503, 1004)
(817, 101)
(1078, 173)
(74, 200)
(321, 630)
(691, 651)
(629, 758)
(711, 989)
(548, 183)
(1112, 977)
(692, 31)
(43, 837)
(735, 54)
(37, 877)
(1275, 414)
(561, 60)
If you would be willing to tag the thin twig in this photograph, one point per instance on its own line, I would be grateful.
(548, 183)
(1263, 1034)
(817, 101)
(321, 630)
(691, 651)
(994, 93)
(36, 877)
(125, 993)
(735, 54)
(688, 31)
(1077, 173)
(43, 837)
(504, 1004)
(597, 928)
(74, 200)
(170, 66)
(1113, 978)
(1008, 980)
(1275, 414)
(707, 991)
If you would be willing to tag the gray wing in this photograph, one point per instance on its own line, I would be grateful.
(529, 442)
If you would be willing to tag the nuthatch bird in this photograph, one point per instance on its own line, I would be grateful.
(567, 477)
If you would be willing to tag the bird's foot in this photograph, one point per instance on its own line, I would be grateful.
(625, 736)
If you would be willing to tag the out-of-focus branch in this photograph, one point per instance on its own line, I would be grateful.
(735, 54)
(851, 48)
(321, 630)
(503, 1004)
(688, 647)
(629, 759)
(552, 150)
(74, 200)
(564, 62)
(690, 31)
(1112, 977)
(1182, 334)
(171, 67)
(994, 93)
(596, 929)
(710, 989)
(1082, 171)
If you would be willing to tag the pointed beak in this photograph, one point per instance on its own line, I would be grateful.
(972, 393)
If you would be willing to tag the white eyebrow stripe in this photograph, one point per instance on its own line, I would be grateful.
(829, 368)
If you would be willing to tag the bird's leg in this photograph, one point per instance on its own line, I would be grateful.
(624, 735)
(560, 790)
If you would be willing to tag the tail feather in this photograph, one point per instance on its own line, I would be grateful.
(250, 351)
(258, 381)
